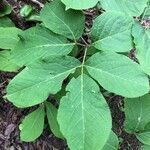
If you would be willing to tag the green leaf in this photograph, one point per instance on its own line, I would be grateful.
(142, 40)
(111, 31)
(91, 50)
(5, 8)
(78, 4)
(33, 124)
(145, 147)
(26, 10)
(147, 12)
(9, 37)
(6, 22)
(112, 143)
(61, 93)
(5, 63)
(43, 77)
(52, 120)
(144, 137)
(118, 74)
(137, 121)
(136, 112)
(84, 116)
(67, 23)
(39, 42)
(128, 7)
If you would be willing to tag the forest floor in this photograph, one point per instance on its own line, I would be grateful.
(11, 117)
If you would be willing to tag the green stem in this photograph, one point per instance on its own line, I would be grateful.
(84, 57)
(84, 41)
(81, 44)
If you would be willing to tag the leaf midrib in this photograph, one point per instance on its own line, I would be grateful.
(43, 81)
(64, 24)
(37, 117)
(82, 106)
(100, 70)
(110, 36)
(52, 45)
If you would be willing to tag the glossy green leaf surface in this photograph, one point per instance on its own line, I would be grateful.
(118, 74)
(43, 77)
(67, 23)
(33, 124)
(84, 112)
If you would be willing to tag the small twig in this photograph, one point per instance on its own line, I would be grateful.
(81, 44)
(38, 3)
(1, 85)
(84, 41)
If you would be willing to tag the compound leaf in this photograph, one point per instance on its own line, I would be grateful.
(33, 124)
(128, 7)
(84, 116)
(111, 31)
(142, 40)
(78, 4)
(9, 37)
(5, 63)
(39, 42)
(67, 23)
(118, 74)
(34, 84)
(52, 120)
